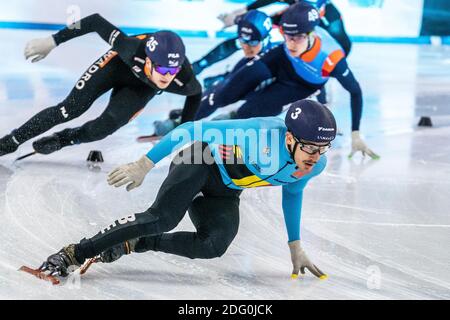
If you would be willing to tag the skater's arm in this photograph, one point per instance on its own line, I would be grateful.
(234, 88)
(190, 108)
(241, 63)
(247, 75)
(185, 83)
(192, 89)
(93, 23)
(219, 53)
(292, 198)
(292, 209)
(215, 80)
(346, 78)
(335, 27)
(107, 31)
(245, 79)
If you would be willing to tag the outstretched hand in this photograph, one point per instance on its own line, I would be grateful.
(39, 48)
(132, 174)
(358, 144)
(300, 262)
(228, 19)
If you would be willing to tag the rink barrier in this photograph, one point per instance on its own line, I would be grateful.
(223, 34)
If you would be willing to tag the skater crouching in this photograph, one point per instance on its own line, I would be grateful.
(206, 179)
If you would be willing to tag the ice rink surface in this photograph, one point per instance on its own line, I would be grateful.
(379, 229)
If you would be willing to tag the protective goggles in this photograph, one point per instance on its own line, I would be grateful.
(298, 37)
(312, 149)
(251, 43)
(164, 70)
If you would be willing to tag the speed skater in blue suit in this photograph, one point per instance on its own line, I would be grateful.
(206, 179)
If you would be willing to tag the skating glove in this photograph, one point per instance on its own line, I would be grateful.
(228, 19)
(39, 48)
(359, 145)
(300, 261)
(132, 173)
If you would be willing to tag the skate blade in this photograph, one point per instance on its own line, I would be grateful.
(26, 156)
(86, 266)
(151, 138)
(39, 274)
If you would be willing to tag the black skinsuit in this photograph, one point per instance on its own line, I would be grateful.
(120, 69)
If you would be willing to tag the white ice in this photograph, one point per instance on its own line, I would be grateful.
(379, 229)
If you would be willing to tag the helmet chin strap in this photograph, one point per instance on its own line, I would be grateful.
(292, 150)
(152, 69)
(310, 41)
(148, 70)
(309, 45)
(265, 42)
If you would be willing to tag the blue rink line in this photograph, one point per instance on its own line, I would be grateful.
(402, 40)
(129, 30)
(219, 34)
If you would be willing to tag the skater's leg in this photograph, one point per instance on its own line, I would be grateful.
(207, 103)
(124, 105)
(190, 108)
(85, 92)
(270, 101)
(178, 116)
(216, 220)
(234, 88)
(174, 197)
(219, 53)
